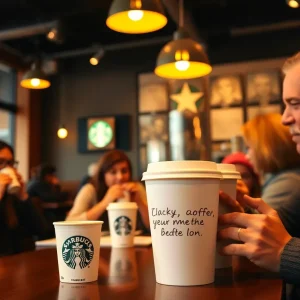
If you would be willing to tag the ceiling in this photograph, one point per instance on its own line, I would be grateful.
(85, 21)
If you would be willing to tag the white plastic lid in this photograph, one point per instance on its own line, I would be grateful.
(182, 169)
(122, 205)
(229, 171)
(77, 223)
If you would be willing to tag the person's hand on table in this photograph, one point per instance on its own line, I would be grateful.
(263, 235)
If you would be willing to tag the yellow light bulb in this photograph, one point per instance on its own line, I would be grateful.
(135, 15)
(293, 3)
(51, 35)
(35, 82)
(62, 133)
(94, 61)
(182, 65)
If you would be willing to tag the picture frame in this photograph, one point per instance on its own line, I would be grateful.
(153, 126)
(153, 94)
(263, 88)
(226, 90)
(232, 117)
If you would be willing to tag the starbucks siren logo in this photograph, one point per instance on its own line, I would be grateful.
(123, 225)
(77, 251)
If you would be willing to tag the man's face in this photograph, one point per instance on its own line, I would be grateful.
(291, 99)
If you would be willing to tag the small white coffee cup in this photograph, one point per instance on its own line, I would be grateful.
(78, 247)
(14, 187)
(122, 223)
(228, 185)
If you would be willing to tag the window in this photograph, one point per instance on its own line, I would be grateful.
(7, 126)
(8, 106)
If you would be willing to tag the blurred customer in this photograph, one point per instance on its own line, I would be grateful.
(92, 169)
(273, 155)
(45, 184)
(20, 221)
(249, 177)
(111, 182)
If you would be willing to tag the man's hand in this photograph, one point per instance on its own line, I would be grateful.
(263, 235)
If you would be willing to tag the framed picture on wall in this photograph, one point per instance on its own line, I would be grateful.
(226, 123)
(263, 88)
(253, 111)
(153, 126)
(143, 159)
(153, 97)
(226, 91)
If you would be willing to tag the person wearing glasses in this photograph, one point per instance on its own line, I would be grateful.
(20, 222)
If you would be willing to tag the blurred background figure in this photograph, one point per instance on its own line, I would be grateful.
(273, 155)
(45, 184)
(92, 169)
(20, 221)
(111, 182)
(249, 177)
(45, 190)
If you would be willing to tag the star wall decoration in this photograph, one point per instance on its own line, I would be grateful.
(186, 99)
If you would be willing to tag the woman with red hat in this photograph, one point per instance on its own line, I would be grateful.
(249, 176)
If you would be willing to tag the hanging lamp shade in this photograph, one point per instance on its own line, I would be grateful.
(35, 78)
(182, 58)
(293, 3)
(136, 16)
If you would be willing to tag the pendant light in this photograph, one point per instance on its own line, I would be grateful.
(182, 58)
(62, 132)
(293, 3)
(35, 78)
(136, 16)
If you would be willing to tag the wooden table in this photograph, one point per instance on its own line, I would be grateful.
(126, 274)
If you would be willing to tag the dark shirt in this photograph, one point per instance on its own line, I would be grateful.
(45, 191)
(28, 225)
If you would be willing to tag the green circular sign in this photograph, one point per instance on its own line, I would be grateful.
(100, 134)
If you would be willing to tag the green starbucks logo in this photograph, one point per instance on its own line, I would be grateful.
(123, 225)
(100, 134)
(77, 251)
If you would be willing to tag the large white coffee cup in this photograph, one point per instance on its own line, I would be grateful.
(228, 186)
(122, 223)
(183, 199)
(78, 248)
(14, 187)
